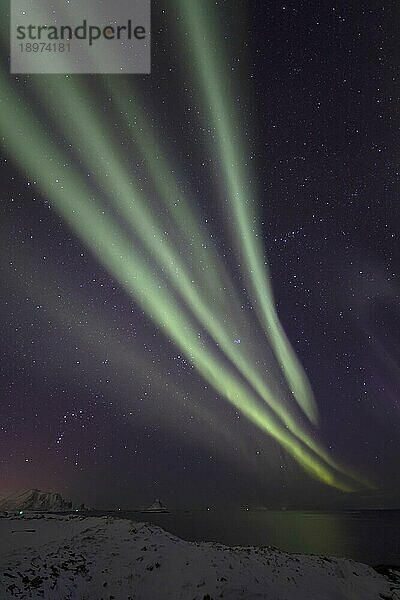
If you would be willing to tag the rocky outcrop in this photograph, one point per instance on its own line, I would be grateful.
(157, 506)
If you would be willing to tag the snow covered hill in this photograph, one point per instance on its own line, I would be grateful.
(34, 500)
(70, 557)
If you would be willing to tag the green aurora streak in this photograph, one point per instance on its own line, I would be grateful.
(153, 288)
(214, 85)
(129, 201)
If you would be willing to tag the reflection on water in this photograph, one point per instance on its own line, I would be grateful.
(372, 537)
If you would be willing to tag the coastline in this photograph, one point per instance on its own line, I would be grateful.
(75, 556)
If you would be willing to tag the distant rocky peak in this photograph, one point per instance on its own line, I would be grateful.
(35, 499)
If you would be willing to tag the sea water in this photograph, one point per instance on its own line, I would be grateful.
(369, 536)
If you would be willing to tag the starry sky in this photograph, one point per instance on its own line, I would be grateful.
(101, 402)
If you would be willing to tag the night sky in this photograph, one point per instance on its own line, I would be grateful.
(101, 404)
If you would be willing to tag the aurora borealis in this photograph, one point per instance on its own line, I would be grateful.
(164, 189)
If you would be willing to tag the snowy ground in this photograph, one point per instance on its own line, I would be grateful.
(94, 558)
